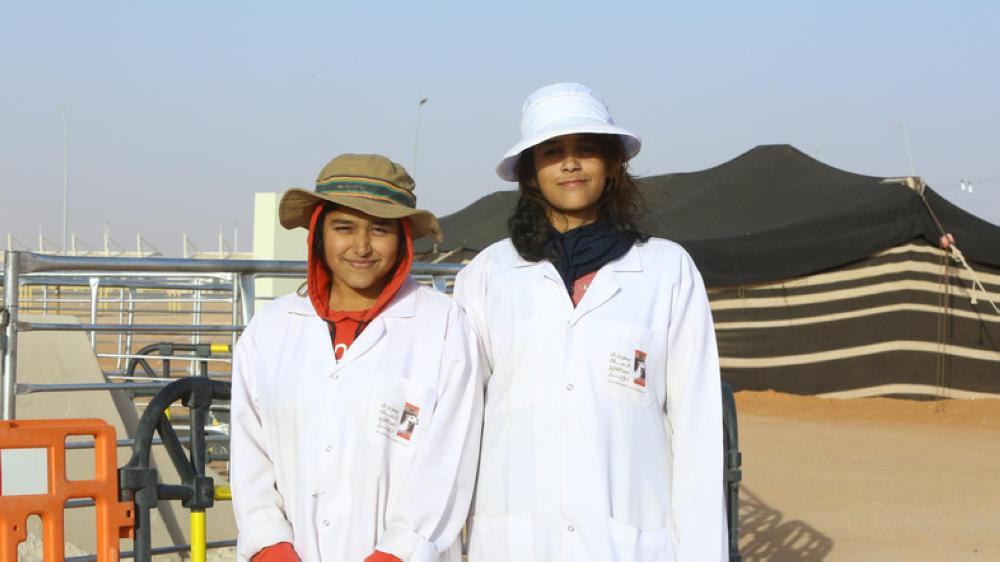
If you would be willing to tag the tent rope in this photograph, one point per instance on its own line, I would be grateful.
(949, 245)
(959, 257)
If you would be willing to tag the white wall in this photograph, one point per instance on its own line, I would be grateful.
(272, 242)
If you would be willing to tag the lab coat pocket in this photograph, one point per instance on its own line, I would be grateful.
(630, 544)
(504, 538)
(623, 362)
(399, 414)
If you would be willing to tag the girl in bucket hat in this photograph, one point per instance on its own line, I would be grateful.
(602, 438)
(357, 402)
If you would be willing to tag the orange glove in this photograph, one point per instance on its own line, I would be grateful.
(281, 552)
(379, 556)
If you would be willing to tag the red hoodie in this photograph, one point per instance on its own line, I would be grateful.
(345, 327)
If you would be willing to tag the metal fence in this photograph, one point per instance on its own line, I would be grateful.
(186, 291)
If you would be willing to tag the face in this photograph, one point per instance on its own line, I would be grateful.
(360, 250)
(571, 173)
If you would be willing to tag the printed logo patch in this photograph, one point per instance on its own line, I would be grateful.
(639, 368)
(408, 421)
(626, 371)
(397, 424)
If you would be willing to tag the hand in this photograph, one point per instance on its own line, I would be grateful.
(379, 556)
(281, 552)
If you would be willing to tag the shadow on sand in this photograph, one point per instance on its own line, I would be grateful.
(764, 537)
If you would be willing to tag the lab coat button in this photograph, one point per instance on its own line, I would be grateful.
(335, 376)
(569, 386)
(326, 522)
(570, 528)
(329, 448)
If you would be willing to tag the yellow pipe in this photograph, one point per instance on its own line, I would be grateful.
(219, 348)
(198, 546)
(223, 492)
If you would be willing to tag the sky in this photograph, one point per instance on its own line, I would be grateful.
(176, 113)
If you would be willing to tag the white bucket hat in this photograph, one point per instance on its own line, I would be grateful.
(563, 109)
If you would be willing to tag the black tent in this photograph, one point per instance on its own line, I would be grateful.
(822, 281)
(770, 213)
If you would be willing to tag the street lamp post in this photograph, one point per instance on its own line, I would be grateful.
(65, 209)
(416, 138)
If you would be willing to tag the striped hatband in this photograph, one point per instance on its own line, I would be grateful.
(369, 188)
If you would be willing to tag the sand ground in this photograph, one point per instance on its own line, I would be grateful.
(868, 479)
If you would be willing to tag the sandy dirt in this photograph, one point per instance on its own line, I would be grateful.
(868, 479)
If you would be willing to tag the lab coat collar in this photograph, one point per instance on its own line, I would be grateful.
(604, 286)
(402, 304)
(631, 261)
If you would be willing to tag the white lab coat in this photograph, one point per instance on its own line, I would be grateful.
(376, 451)
(581, 461)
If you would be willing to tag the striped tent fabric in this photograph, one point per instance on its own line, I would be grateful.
(906, 321)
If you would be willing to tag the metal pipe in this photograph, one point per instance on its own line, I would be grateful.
(126, 301)
(247, 299)
(214, 430)
(34, 262)
(95, 283)
(35, 388)
(131, 319)
(8, 319)
(214, 438)
(195, 320)
(117, 281)
(168, 357)
(121, 335)
(144, 328)
(212, 375)
(234, 305)
(198, 543)
(155, 551)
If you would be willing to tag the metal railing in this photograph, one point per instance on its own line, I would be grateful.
(207, 281)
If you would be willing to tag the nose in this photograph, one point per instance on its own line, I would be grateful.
(362, 243)
(570, 163)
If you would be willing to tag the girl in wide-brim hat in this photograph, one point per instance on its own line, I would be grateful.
(357, 402)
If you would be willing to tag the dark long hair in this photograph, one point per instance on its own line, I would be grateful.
(620, 204)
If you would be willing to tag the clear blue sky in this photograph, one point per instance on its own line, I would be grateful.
(178, 112)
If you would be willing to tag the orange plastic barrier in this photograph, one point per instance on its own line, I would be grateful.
(115, 519)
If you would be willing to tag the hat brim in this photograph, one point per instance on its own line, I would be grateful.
(507, 168)
(297, 204)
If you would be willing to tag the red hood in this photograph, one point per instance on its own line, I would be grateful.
(319, 279)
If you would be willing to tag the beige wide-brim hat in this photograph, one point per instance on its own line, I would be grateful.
(563, 109)
(369, 183)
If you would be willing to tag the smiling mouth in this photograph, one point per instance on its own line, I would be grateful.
(362, 265)
(572, 182)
